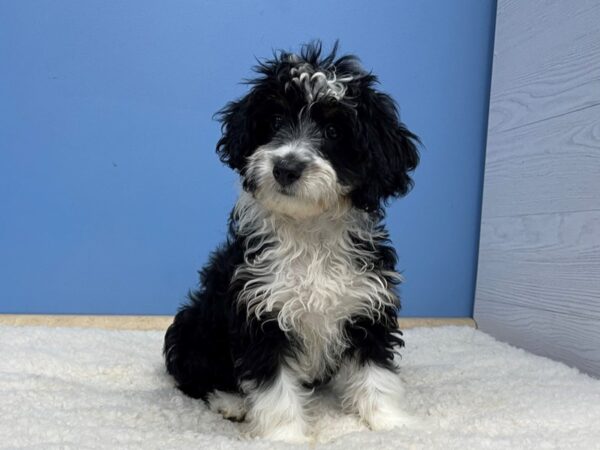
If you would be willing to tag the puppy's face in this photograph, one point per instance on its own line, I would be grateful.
(313, 134)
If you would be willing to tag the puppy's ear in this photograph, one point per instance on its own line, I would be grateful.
(391, 151)
(236, 142)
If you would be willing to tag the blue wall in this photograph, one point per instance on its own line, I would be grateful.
(111, 195)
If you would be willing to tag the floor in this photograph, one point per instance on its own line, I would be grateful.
(98, 388)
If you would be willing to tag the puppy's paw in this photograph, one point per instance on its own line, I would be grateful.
(290, 432)
(230, 405)
(386, 420)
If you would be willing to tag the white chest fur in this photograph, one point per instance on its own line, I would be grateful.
(313, 277)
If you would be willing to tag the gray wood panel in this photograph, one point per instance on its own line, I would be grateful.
(548, 55)
(545, 167)
(572, 339)
(546, 260)
(538, 282)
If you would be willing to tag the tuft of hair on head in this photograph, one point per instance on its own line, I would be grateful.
(237, 140)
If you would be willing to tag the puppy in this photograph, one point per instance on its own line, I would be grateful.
(302, 293)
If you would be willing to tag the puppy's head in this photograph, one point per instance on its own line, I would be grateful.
(313, 133)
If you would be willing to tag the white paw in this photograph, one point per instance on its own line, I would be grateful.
(387, 420)
(287, 433)
(230, 406)
(291, 432)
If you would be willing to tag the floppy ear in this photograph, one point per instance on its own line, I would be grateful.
(236, 142)
(391, 152)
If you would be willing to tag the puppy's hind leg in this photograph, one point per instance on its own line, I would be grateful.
(197, 351)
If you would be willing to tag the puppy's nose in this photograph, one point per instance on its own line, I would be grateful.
(287, 170)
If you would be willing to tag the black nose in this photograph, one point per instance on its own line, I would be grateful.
(287, 170)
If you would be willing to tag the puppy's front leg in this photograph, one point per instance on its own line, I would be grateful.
(277, 408)
(374, 392)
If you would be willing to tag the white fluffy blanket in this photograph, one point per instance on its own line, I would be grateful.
(88, 388)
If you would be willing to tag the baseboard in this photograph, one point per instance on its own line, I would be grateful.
(428, 322)
(162, 322)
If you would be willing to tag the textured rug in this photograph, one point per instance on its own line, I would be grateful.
(89, 388)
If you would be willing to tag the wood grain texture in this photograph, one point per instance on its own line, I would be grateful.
(549, 260)
(545, 167)
(572, 339)
(546, 61)
(538, 282)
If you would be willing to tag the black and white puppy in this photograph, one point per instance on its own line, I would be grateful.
(302, 293)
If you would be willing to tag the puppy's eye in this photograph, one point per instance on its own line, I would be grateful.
(276, 122)
(331, 132)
